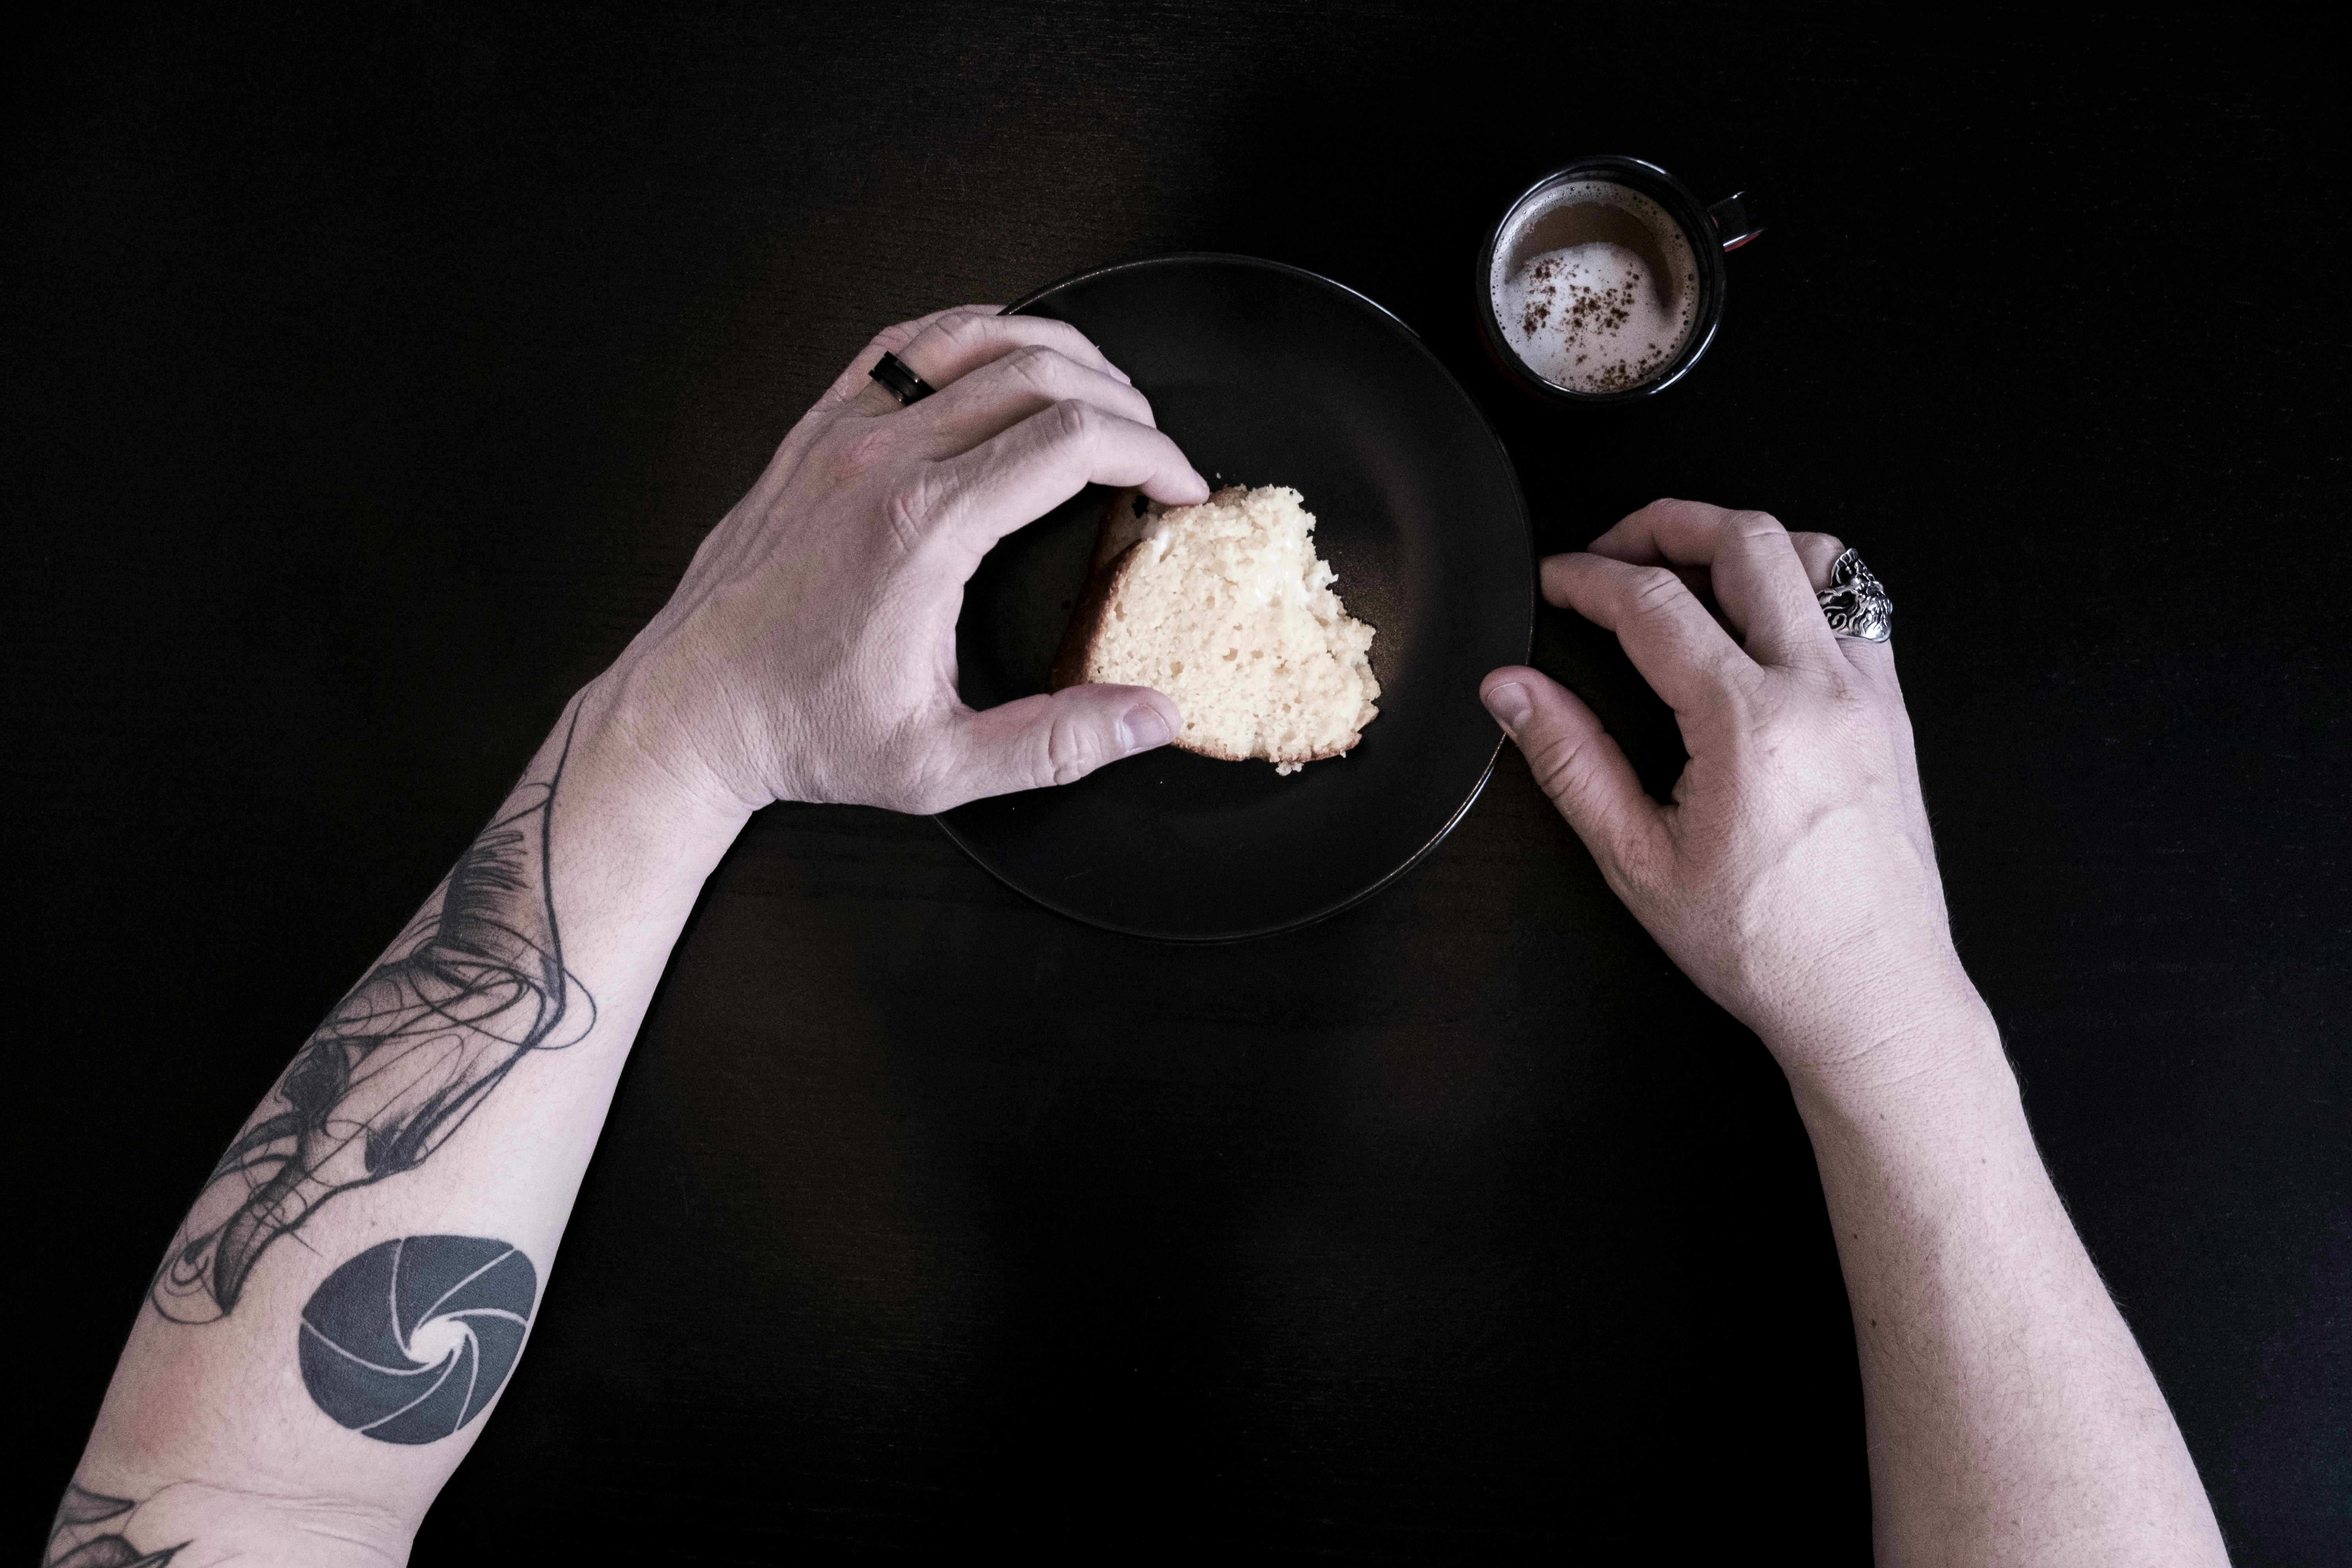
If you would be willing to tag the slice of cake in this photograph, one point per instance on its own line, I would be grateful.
(1226, 609)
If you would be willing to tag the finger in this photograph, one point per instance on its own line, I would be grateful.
(1756, 576)
(957, 342)
(1024, 473)
(1685, 657)
(859, 378)
(1005, 391)
(850, 384)
(1818, 552)
(1876, 662)
(1907, 753)
(1578, 763)
(1039, 741)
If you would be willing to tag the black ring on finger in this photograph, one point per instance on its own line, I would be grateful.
(899, 381)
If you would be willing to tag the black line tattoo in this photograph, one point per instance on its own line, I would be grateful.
(474, 984)
(78, 1541)
(358, 1343)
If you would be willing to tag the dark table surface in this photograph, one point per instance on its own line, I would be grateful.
(367, 383)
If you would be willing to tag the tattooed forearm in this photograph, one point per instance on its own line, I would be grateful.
(87, 1532)
(473, 986)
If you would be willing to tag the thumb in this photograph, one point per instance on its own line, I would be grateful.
(1057, 739)
(1576, 760)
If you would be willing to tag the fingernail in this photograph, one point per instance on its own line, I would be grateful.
(1141, 728)
(1511, 705)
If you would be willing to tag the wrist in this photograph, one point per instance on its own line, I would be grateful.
(1900, 1061)
(630, 844)
(624, 749)
(634, 833)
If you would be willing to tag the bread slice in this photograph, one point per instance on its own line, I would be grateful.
(1226, 609)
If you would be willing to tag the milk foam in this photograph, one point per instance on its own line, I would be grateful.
(1600, 315)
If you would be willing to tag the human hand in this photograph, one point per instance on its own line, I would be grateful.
(809, 653)
(1791, 875)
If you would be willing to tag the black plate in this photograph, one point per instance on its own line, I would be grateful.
(1266, 374)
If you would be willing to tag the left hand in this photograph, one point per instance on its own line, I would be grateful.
(1790, 873)
(809, 653)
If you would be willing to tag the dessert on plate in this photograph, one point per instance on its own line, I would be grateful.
(1226, 609)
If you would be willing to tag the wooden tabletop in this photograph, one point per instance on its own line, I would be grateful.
(368, 383)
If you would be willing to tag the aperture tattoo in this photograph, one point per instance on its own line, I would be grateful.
(366, 1324)
(474, 984)
(87, 1532)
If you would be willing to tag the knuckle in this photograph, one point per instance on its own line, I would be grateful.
(964, 328)
(1755, 525)
(1846, 686)
(864, 445)
(1654, 590)
(910, 503)
(1865, 694)
(1750, 692)
(1038, 365)
(1557, 764)
(1075, 420)
(1072, 750)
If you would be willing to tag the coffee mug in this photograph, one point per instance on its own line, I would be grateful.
(1603, 282)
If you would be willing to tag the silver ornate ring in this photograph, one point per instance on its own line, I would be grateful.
(1855, 602)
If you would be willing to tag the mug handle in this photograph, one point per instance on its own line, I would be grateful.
(1736, 220)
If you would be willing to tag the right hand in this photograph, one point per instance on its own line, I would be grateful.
(1792, 874)
(809, 653)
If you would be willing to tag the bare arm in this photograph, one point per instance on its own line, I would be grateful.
(2011, 1417)
(360, 1271)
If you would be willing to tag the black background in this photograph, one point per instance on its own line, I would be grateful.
(368, 382)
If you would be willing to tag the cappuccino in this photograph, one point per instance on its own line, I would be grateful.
(1596, 287)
